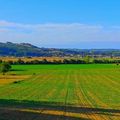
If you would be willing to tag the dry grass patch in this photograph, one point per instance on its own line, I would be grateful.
(6, 79)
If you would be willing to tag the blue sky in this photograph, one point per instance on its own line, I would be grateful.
(61, 23)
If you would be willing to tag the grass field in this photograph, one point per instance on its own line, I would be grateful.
(61, 92)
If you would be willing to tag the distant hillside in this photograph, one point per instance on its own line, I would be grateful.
(26, 49)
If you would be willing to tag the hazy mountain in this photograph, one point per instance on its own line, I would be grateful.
(26, 49)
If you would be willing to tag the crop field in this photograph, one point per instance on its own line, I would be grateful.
(61, 92)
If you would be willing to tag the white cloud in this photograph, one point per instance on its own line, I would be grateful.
(50, 35)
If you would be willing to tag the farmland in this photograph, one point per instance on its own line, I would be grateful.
(61, 92)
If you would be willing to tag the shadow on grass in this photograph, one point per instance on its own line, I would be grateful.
(17, 70)
(29, 110)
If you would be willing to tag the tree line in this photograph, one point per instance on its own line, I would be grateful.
(86, 60)
(6, 66)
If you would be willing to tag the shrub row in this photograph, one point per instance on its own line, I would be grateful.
(66, 61)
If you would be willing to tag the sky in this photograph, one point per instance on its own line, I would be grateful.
(61, 23)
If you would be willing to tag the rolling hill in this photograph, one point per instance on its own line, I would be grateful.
(29, 50)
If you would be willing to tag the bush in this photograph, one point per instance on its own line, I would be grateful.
(5, 67)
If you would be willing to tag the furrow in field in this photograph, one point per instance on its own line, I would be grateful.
(57, 84)
(107, 79)
(92, 103)
(24, 89)
(37, 85)
(115, 79)
(96, 100)
(109, 93)
(84, 102)
(79, 93)
(10, 89)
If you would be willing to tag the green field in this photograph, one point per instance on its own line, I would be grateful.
(62, 92)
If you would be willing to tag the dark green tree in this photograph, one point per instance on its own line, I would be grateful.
(5, 67)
